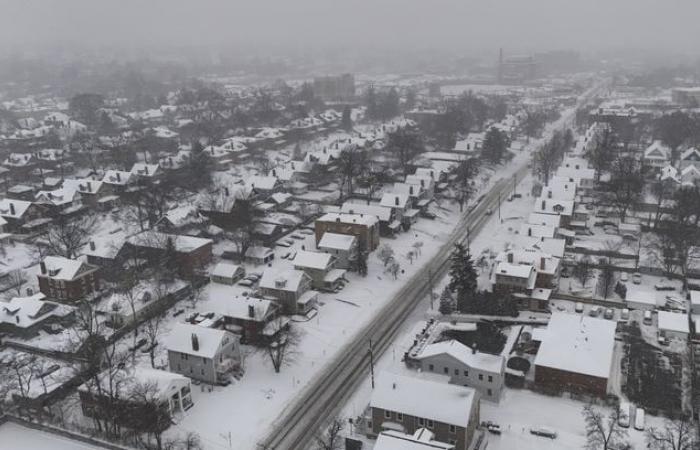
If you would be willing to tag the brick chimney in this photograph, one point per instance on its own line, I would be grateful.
(544, 204)
(92, 245)
(510, 257)
(42, 265)
(195, 342)
(529, 231)
(251, 311)
(543, 262)
(119, 177)
(12, 209)
(396, 201)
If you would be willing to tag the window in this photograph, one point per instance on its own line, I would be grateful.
(430, 423)
(456, 371)
(466, 373)
(399, 417)
(453, 429)
(490, 379)
(489, 392)
(431, 367)
(421, 422)
(387, 414)
(446, 370)
(481, 377)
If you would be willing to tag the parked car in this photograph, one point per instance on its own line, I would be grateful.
(625, 314)
(489, 212)
(595, 312)
(625, 413)
(609, 314)
(284, 244)
(624, 277)
(579, 307)
(639, 419)
(428, 215)
(637, 278)
(544, 432)
(246, 282)
(664, 286)
(565, 273)
(647, 318)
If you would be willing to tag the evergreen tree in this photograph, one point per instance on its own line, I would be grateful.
(170, 259)
(346, 121)
(462, 277)
(447, 302)
(495, 145)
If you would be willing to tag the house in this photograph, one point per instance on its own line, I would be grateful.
(639, 298)
(259, 255)
(387, 223)
(146, 172)
(509, 277)
(320, 267)
(18, 213)
(547, 268)
(343, 247)
(422, 439)
(68, 280)
(694, 301)
(184, 219)
(21, 192)
(399, 204)
(426, 184)
(656, 156)
(364, 227)
(64, 201)
(287, 288)
(107, 253)
(690, 176)
(248, 317)
(117, 180)
(192, 254)
(563, 208)
(674, 325)
(140, 397)
(202, 353)
(25, 317)
(263, 185)
(576, 353)
(464, 366)
(91, 191)
(407, 404)
(690, 157)
(227, 273)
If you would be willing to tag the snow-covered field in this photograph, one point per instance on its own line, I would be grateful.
(16, 437)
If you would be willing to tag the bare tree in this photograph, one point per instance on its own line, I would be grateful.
(625, 185)
(351, 164)
(14, 281)
(67, 236)
(385, 254)
(282, 347)
(674, 435)
(583, 271)
(547, 157)
(394, 269)
(148, 417)
(606, 279)
(603, 433)
(330, 438)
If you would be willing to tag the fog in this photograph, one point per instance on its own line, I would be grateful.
(657, 25)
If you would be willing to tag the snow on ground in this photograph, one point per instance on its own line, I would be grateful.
(13, 437)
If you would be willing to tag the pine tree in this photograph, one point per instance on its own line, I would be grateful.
(361, 262)
(447, 302)
(462, 277)
(170, 259)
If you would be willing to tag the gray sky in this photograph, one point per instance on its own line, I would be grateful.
(464, 24)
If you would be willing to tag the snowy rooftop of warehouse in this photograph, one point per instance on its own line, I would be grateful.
(418, 397)
(579, 344)
(673, 321)
(464, 354)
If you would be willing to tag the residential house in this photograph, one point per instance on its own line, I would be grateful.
(263, 186)
(546, 267)
(18, 213)
(109, 254)
(388, 225)
(400, 205)
(227, 273)
(364, 227)
(465, 366)
(128, 396)
(576, 353)
(259, 255)
(656, 156)
(690, 157)
(64, 201)
(320, 267)
(674, 325)
(563, 208)
(68, 280)
(426, 183)
(343, 247)
(287, 288)
(21, 192)
(117, 181)
(422, 439)
(205, 354)
(508, 277)
(91, 191)
(146, 172)
(407, 404)
(248, 317)
(192, 254)
(25, 317)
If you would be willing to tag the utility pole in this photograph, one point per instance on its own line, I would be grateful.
(499, 206)
(371, 362)
(430, 284)
(515, 177)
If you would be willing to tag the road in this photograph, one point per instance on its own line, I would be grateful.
(323, 398)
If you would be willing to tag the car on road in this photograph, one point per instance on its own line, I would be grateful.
(639, 419)
(489, 212)
(595, 312)
(625, 315)
(623, 418)
(544, 432)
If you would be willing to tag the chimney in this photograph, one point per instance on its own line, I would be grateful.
(119, 177)
(145, 168)
(30, 292)
(422, 183)
(92, 245)
(42, 265)
(195, 342)
(393, 385)
(474, 349)
(510, 257)
(251, 311)
(396, 201)
(303, 247)
(549, 194)
(542, 262)
(12, 209)
(226, 191)
(529, 231)
(274, 173)
(544, 204)
(410, 189)
(89, 186)
(337, 219)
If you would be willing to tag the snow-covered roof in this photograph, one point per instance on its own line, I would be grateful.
(393, 200)
(23, 312)
(554, 206)
(260, 182)
(118, 177)
(544, 219)
(657, 151)
(465, 355)
(694, 298)
(84, 186)
(19, 207)
(362, 219)
(312, 260)
(336, 241)
(515, 270)
(144, 170)
(691, 154)
(225, 270)
(160, 383)
(182, 243)
(434, 400)
(285, 280)
(240, 307)
(257, 251)
(673, 321)
(382, 213)
(61, 268)
(422, 439)
(181, 338)
(578, 344)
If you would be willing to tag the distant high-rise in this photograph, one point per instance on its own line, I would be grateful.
(335, 87)
(516, 69)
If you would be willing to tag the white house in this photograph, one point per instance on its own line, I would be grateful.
(227, 273)
(674, 325)
(342, 246)
(657, 155)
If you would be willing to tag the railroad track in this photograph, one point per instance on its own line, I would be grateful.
(322, 399)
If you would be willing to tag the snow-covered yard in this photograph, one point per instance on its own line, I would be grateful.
(14, 437)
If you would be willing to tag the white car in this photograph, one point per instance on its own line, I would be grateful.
(624, 277)
(637, 278)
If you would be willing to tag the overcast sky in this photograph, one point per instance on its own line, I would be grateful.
(461, 24)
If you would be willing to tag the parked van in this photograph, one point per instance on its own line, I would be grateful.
(624, 416)
(579, 307)
(639, 419)
(647, 317)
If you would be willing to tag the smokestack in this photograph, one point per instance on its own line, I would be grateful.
(42, 265)
(195, 342)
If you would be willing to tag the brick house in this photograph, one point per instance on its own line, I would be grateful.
(450, 412)
(192, 254)
(363, 226)
(18, 213)
(67, 280)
